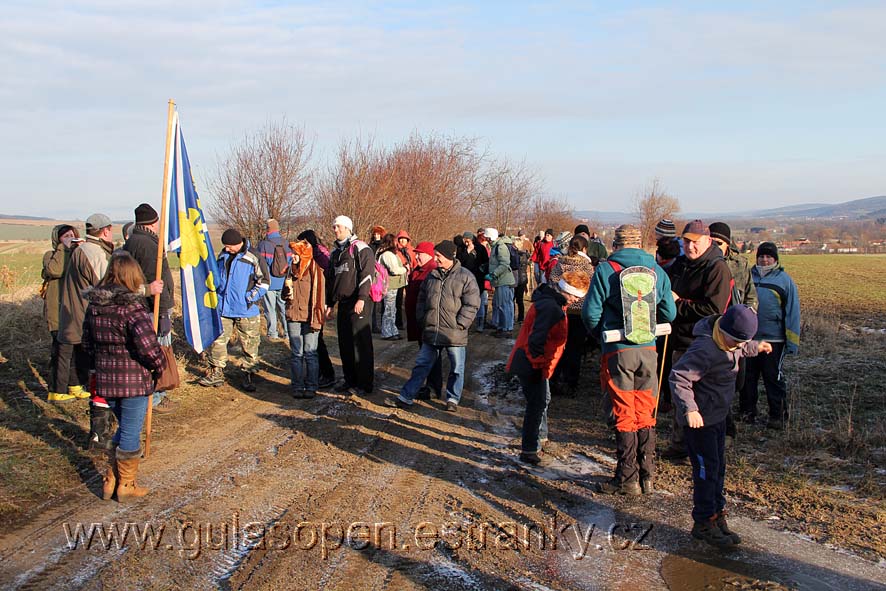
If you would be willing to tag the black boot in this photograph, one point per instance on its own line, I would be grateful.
(100, 432)
(646, 458)
(626, 481)
(248, 383)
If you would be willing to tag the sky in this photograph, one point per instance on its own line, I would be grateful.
(731, 106)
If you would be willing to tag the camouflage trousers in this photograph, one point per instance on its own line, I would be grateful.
(249, 333)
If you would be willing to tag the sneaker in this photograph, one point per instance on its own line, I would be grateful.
(326, 382)
(709, 532)
(60, 397)
(165, 406)
(78, 392)
(528, 457)
(395, 402)
(720, 522)
(451, 406)
(248, 384)
(614, 487)
(215, 377)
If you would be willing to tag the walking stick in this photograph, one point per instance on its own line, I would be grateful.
(660, 377)
(160, 256)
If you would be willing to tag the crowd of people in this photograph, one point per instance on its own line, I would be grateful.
(681, 330)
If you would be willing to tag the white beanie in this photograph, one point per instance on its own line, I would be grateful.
(492, 234)
(345, 221)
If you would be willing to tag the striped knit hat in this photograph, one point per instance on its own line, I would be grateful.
(666, 228)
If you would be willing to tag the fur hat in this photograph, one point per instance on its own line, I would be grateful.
(627, 236)
(380, 230)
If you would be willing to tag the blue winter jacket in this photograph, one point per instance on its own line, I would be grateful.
(242, 282)
(603, 310)
(778, 308)
(266, 249)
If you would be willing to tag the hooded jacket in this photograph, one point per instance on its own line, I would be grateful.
(142, 245)
(500, 263)
(87, 267)
(266, 250)
(242, 282)
(778, 314)
(395, 267)
(705, 288)
(304, 289)
(55, 263)
(603, 309)
(120, 343)
(703, 379)
(542, 337)
(447, 305)
(406, 254)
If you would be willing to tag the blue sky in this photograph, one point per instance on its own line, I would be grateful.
(731, 105)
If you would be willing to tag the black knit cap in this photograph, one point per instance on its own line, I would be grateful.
(446, 248)
(145, 215)
(721, 231)
(582, 228)
(231, 237)
(768, 248)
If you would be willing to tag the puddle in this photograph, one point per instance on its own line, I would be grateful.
(574, 467)
(712, 572)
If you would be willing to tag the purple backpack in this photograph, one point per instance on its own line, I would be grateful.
(379, 285)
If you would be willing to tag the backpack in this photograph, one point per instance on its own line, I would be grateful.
(379, 285)
(515, 257)
(638, 301)
(280, 263)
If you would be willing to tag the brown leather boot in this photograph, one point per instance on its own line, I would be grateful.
(109, 478)
(127, 468)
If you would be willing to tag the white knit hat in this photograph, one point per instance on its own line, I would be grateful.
(345, 221)
(492, 234)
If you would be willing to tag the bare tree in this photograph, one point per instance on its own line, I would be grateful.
(266, 175)
(545, 212)
(506, 193)
(651, 205)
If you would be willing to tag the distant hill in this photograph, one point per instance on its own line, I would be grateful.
(22, 217)
(857, 209)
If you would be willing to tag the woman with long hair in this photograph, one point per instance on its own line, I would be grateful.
(321, 257)
(305, 297)
(387, 255)
(123, 352)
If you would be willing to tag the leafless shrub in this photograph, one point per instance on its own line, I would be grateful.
(651, 205)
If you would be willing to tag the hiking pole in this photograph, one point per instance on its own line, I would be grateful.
(660, 377)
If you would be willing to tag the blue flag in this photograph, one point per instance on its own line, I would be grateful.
(188, 235)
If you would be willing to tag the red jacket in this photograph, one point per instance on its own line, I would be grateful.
(542, 338)
(542, 252)
(416, 278)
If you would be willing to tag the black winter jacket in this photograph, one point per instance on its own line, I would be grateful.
(705, 288)
(347, 279)
(142, 245)
(447, 305)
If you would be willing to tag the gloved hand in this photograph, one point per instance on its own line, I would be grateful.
(488, 277)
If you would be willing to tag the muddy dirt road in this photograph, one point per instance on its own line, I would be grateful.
(265, 492)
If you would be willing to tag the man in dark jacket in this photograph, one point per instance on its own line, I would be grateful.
(272, 304)
(702, 287)
(447, 305)
(142, 246)
(348, 282)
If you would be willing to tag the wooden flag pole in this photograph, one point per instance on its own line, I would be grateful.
(660, 378)
(160, 254)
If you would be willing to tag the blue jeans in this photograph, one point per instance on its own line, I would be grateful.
(427, 356)
(130, 413)
(389, 316)
(304, 365)
(481, 313)
(272, 305)
(503, 302)
(537, 391)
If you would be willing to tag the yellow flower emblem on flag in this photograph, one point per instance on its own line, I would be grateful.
(210, 298)
(193, 243)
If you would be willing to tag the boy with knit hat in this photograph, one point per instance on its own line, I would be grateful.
(702, 385)
(628, 373)
(535, 355)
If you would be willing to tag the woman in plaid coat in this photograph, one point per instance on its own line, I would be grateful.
(119, 339)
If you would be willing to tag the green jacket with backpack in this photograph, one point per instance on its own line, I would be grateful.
(500, 263)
